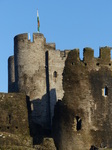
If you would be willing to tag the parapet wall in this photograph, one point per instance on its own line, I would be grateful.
(90, 61)
(25, 37)
(50, 46)
(104, 58)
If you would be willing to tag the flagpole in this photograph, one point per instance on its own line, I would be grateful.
(38, 22)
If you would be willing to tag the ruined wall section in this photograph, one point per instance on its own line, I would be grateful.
(11, 74)
(14, 126)
(85, 112)
(100, 80)
(56, 66)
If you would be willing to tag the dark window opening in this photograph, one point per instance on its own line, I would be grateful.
(97, 64)
(55, 74)
(16, 127)
(109, 64)
(85, 64)
(93, 147)
(9, 119)
(72, 63)
(7, 127)
(79, 123)
(105, 91)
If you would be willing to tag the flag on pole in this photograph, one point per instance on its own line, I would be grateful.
(38, 21)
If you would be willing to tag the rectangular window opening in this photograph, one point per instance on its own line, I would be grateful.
(105, 91)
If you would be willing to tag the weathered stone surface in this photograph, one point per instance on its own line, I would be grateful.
(80, 91)
(14, 125)
(47, 144)
(33, 70)
(14, 113)
(16, 148)
(83, 118)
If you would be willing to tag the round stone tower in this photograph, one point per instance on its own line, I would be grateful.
(30, 74)
(30, 65)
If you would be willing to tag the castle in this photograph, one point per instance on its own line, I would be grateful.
(55, 98)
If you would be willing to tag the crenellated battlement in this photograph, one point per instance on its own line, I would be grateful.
(88, 54)
(23, 40)
(105, 54)
(21, 37)
(50, 46)
(37, 36)
(25, 37)
(104, 57)
(64, 54)
(88, 57)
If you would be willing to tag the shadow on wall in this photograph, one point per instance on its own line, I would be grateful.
(62, 125)
(40, 112)
(11, 87)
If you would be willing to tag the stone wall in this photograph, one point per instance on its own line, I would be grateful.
(36, 69)
(14, 123)
(78, 90)
(31, 74)
(83, 118)
(56, 61)
(30, 65)
(16, 129)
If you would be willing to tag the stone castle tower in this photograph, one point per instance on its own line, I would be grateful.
(53, 94)
(36, 69)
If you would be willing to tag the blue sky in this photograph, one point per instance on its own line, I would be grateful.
(69, 23)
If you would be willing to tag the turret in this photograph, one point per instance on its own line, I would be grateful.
(11, 74)
(29, 61)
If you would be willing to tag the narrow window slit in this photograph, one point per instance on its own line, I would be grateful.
(55, 74)
(79, 123)
(9, 119)
(97, 64)
(105, 91)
